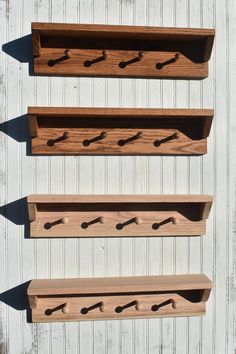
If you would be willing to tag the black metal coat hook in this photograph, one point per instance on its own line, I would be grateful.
(99, 305)
(165, 303)
(123, 64)
(168, 138)
(49, 312)
(122, 142)
(172, 220)
(104, 56)
(49, 225)
(67, 55)
(64, 136)
(101, 136)
(135, 220)
(100, 220)
(159, 66)
(134, 303)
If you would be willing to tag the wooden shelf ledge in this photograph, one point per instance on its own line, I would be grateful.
(118, 297)
(118, 215)
(121, 51)
(119, 131)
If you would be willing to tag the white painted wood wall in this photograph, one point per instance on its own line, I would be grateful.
(214, 254)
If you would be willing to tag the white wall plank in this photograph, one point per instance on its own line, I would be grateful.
(207, 338)
(231, 171)
(220, 178)
(154, 181)
(168, 187)
(3, 179)
(14, 269)
(70, 166)
(42, 181)
(113, 245)
(182, 180)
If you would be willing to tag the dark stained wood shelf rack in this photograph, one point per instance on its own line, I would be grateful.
(118, 215)
(121, 51)
(119, 131)
(56, 300)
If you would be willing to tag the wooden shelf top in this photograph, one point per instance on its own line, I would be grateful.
(110, 30)
(97, 112)
(119, 284)
(119, 198)
(115, 111)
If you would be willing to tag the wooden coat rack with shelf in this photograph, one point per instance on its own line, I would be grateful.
(119, 131)
(121, 51)
(118, 215)
(57, 300)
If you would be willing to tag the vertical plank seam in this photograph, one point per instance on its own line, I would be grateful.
(93, 241)
(162, 179)
(19, 193)
(201, 188)
(105, 240)
(35, 189)
(188, 249)
(120, 191)
(78, 160)
(7, 189)
(133, 187)
(214, 191)
(228, 178)
(64, 325)
(147, 185)
(175, 190)
(77, 179)
(48, 184)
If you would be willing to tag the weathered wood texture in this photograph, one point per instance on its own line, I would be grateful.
(138, 51)
(112, 131)
(118, 297)
(214, 173)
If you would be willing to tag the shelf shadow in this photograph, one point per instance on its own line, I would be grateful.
(17, 212)
(17, 129)
(21, 50)
(17, 299)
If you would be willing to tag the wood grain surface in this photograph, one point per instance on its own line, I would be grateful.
(123, 44)
(162, 131)
(118, 215)
(119, 284)
(118, 297)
